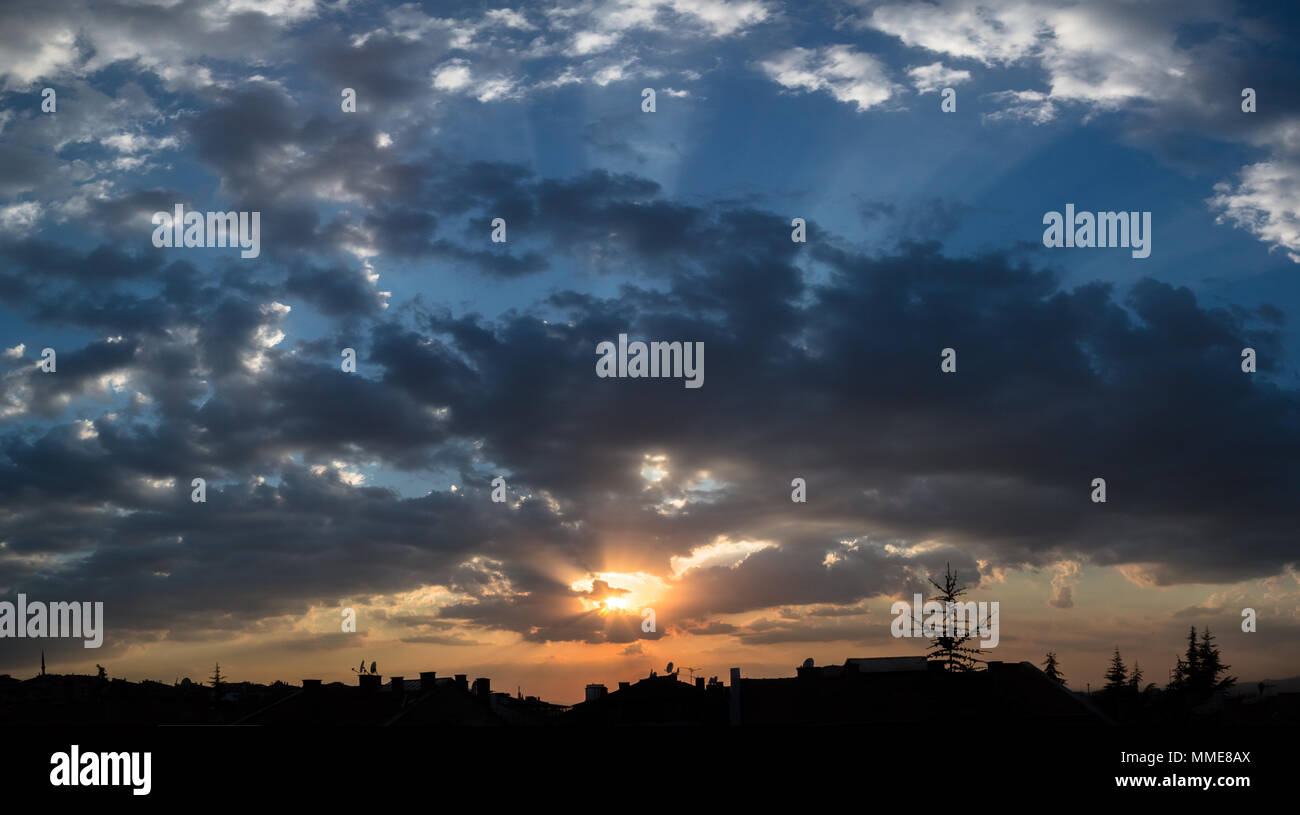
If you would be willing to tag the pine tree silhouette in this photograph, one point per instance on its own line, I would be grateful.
(216, 682)
(1053, 668)
(950, 648)
(1117, 674)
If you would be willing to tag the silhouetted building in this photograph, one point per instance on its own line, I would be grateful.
(653, 700)
(908, 690)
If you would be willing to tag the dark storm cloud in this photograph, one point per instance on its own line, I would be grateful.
(22, 169)
(836, 382)
(335, 291)
(386, 71)
(1056, 387)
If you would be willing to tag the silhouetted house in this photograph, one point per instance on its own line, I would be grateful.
(908, 690)
(429, 700)
(654, 700)
(83, 699)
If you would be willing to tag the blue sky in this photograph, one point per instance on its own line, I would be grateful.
(925, 231)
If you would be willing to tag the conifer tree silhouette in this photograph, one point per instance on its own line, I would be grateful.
(950, 647)
(1053, 668)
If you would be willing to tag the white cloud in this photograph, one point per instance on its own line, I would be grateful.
(964, 28)
(1035, 107)
(1265, 202)
(510, 19)
(20, 219)
(132, 143)
(723, 18)
(1099, 54)
(452, 76)
(933, 77)
(457, 77)
(1067, 573)
(848, 75)
(722, 553)
(32, 49)
(591, 42)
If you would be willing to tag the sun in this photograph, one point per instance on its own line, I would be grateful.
(614, 604)
(618, 592)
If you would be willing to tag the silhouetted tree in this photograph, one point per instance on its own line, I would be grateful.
(1135, 679)
(1117, 675)
(952, 651)
(1212, 665)
(1188, 669)
(1052, 668)
(216, 682)
(1197, 676)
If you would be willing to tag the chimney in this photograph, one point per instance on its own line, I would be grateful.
(483, 688)
(369, 682)
(699, 682)
(462, 682)
(735, 696)
(399, 686)
(624, 685)
(595, 691)
(428, 679)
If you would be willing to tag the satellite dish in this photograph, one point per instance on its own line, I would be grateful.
(808, 663)
(670, 668)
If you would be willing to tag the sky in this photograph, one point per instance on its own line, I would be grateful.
(371, 490)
